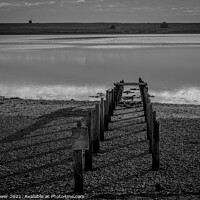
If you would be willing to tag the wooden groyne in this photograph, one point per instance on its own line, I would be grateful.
(91, 130)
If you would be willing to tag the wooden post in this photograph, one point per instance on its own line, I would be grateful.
(155, 145)
(108, 103)
(120, 92)
(105, 115)
(88, 153)
(141, 88)
(78, 171)
(144, 102)
(109, 106)
(80, 141)
(102, 120)
(93, 128)
(151, 126)
(146, 108)
(115, 97)
(142, 92)
(96, 136)
(121, 89)
(111, 103)
(117, 94)
(113, 100)
(107, 110)
(122, 81)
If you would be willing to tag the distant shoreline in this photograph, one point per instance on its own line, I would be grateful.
(97, 28)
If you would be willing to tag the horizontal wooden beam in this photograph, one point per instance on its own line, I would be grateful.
(131, 84)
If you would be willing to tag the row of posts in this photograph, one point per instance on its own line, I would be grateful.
(153, 126)
(87, 136)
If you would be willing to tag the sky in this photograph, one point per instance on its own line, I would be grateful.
(130, 11)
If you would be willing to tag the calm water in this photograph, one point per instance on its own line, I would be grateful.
(68, 66)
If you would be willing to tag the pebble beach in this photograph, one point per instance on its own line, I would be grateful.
(36, 154)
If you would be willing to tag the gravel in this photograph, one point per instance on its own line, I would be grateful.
(36, 153)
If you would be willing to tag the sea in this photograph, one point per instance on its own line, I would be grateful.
(80, 67)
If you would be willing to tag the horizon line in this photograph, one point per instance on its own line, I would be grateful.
(98, 22)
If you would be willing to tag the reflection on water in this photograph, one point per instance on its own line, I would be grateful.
(66, 67)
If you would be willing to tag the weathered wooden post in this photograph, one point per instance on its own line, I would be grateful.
(146, 108)
(115, 97)
(102, 120)
(117, 94)
(141, 89)
(106, 105)
(96, 135)
(155, 144)
(78, 171)
(109, 105)
(122, 81)
(80, 141)
(88, 152)
(151, 126)
(120, 91)
(105, 115)
(142, 92)
(113, 100)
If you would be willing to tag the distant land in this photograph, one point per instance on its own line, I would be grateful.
(98, 28)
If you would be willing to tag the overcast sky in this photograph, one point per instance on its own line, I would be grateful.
(100, 10)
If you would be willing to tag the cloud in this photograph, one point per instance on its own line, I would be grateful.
(146, 8)
(108, 6)
(186, 13)
(24, 4)
(76, 1)
(38, 3)
(190, 10)
(3, 4)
